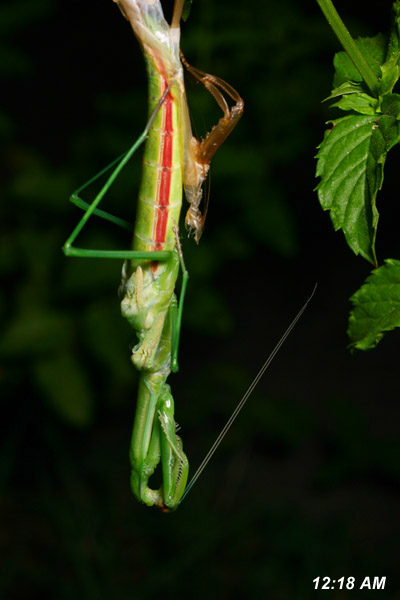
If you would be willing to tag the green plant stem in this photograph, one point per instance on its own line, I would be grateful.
(349, 45)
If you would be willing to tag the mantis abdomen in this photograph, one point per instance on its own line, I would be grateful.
(160, 195)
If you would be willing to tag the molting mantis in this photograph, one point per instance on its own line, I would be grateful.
(173, 158)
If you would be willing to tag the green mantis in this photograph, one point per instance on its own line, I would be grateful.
(173, 159)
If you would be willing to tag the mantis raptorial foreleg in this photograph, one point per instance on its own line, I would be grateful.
(138, 290)
(145, 305)
(153, 438)
(175, 465)
(145, 451)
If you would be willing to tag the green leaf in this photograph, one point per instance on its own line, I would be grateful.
(394, 38)
(382, 54)
(350, 164)
(391, 106)
(347, 87)
(390, 74)
(390, 70)
(186, 9)
(374, 51)
(376, 306)
(361, 103)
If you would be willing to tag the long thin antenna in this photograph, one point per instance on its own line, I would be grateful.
(246, 396)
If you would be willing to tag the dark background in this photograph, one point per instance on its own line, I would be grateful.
(306, 484)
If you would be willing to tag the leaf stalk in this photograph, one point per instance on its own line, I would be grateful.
(349, 45)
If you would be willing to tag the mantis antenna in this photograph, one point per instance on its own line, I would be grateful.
(246, 396)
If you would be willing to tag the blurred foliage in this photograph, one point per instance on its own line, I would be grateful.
(298, 487)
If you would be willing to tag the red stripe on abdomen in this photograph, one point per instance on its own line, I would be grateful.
(166, 164)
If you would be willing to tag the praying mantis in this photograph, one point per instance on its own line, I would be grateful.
(173, 159)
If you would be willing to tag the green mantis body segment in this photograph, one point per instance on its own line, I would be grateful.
(173, 159)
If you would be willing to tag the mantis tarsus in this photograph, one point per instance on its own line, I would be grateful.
(173, 159)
